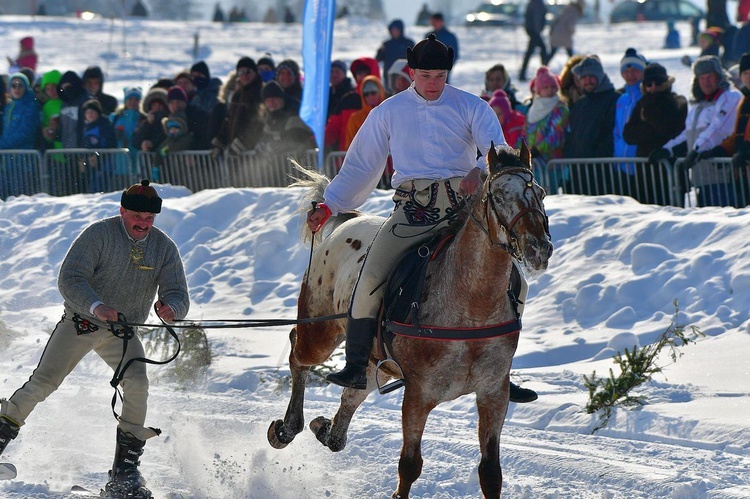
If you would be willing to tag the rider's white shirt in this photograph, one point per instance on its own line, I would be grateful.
(426, 139)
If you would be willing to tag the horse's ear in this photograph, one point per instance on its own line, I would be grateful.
(492, 158)
(525, 154)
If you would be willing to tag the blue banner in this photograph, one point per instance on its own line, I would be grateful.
(317, 43)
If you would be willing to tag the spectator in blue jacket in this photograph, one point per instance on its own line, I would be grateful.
(21, 128)
(393, 49)
(98, 133)
(21, 119)
(631, 69)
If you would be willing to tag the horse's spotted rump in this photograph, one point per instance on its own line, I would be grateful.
(356, 244)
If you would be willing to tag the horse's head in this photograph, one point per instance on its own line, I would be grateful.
(513, 208)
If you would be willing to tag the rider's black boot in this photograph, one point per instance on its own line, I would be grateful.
(125, 481)
(8, 431)
(359, 336)
(522, 395)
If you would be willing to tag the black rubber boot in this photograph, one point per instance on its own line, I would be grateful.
(8, 431)
(359, 335)
(522, 395)
(125, 481)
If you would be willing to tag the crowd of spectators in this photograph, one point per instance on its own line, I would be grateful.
(580, 113)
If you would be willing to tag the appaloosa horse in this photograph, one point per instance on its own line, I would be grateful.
(466, 288)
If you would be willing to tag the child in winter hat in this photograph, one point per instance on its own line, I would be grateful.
(544, 79)
(632, 59)
(266, 68)
(135, 92)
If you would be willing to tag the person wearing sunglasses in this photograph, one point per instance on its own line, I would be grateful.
(119, 268)
(373, 94)
(21, 120)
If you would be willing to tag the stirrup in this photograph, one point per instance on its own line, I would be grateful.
(393, 385)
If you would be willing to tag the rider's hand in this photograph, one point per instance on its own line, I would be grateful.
(317, 216)
(164, 311)
(471, 182)
(105, 313)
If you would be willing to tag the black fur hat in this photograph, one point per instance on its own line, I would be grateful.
(430, 53)
(141, 197)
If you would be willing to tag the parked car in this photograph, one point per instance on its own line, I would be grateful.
(495, 13)
(654, 10)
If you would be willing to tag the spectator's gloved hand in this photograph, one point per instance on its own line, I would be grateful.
(691, 158)
(216, 149)
(739, 160)
(686, 60)
(658, 155)
(237, 147)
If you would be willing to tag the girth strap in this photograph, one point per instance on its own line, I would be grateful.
(444, 333)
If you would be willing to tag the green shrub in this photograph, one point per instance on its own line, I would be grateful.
(637, 366)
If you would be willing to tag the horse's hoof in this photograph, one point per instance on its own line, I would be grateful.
(277, 436)
(321, 426)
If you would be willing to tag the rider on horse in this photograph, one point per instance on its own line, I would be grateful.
(432, 132)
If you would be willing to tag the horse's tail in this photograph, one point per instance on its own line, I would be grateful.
(316, 184)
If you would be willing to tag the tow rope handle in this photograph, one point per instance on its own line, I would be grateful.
(126, 333)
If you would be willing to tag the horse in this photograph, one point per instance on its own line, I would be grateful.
(466, 286)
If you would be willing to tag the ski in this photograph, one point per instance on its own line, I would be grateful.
(79, 491)
(7, 471)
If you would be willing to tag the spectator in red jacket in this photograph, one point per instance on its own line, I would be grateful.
(513, 122)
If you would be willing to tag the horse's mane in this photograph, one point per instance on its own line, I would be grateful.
(314, 183)
(508, 157)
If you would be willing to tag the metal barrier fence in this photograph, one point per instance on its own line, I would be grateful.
(20, 173)
(198, 170)
(74, 171)
(62, 172)
(634, 177)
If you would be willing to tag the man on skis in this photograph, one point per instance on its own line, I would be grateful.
(114, 269)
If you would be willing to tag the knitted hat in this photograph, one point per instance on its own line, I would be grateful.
(272, 89)
(176, 93)
(267, 60)
(133, 92)
(745, 62)
(632, 59)
(399, 67)
(707, 64)
(142, 198)
(430, 53)
(338, 63)
(201, 67)
(589, 66)
(289, 64)
(370, 86)
(500, 99)
(248, 63)
(544, 79)
(655, 73)
(174, 121)
(92, 104)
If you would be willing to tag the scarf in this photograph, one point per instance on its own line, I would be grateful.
(541, 107)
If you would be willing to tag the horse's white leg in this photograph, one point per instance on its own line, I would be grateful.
(414, 412)
(491, 408)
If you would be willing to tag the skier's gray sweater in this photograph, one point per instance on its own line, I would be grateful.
(104, 265)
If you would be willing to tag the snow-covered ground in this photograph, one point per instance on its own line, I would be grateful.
(617, 268)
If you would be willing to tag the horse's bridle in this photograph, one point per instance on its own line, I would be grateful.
(489, 203)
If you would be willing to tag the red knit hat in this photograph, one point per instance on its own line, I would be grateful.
(544, 78)
(500, 99)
